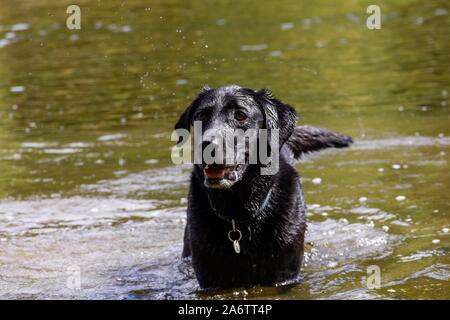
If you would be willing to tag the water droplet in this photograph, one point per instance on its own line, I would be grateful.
(16, 89)
(98, 25)
(332, 264)
(126, 29)
(275, 53)
(320, 44)
(255, 47)
(181, 81)
(362, 200)
(221, 22)
(10, 35)
(440, 12)
(20, 27)
(286, 26)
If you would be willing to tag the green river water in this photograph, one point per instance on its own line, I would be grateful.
(87, 183)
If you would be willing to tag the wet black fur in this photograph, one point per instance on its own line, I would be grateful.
(272, 242)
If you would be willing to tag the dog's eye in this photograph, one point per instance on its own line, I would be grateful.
(240, 116)
(200, 116)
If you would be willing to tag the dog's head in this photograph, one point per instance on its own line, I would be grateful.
(233, 109)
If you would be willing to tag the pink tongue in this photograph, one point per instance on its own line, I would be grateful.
(214, 173)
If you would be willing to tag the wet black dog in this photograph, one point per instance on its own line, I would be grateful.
(244, 228)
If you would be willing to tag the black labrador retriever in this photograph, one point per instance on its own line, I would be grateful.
(244, 228)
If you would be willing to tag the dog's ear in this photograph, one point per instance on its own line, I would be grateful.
(184, 122)
(278, 115)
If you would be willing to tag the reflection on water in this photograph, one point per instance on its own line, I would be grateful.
(85, 122)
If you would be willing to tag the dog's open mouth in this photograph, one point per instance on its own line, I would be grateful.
(217, 175)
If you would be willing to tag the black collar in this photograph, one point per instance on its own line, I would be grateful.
(234, 234)
(253, 215)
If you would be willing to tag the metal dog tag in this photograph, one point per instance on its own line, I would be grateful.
(237, 247)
